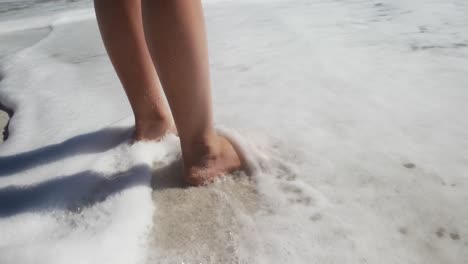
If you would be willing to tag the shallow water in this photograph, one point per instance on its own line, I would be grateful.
(351, 112)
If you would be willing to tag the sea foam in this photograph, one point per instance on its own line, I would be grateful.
(350, 113)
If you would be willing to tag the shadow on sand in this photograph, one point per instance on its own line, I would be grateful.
(84, 189)
(94, 142)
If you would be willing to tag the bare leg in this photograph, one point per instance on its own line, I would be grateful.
(176, 37)
(121, 26)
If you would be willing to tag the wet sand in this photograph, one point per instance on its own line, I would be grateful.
(204, 225)
(3, 122)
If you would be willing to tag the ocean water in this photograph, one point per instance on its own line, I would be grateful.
(11, 6)
(351, 114)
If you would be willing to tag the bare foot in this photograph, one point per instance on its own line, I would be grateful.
(153, 129)
(218, 160)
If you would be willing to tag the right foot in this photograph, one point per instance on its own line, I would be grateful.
(205, 165)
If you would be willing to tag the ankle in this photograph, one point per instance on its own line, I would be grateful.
(201, 149)
(153, 128)
(145, 120)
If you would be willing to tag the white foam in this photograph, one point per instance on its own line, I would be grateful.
(331, 101)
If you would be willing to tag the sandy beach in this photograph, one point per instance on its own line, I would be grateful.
(3, 122)
(351, 112)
